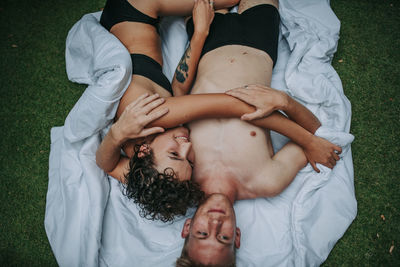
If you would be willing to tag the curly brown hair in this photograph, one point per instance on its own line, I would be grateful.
(160, 196)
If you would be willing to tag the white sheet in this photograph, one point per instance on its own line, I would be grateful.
(90, 223)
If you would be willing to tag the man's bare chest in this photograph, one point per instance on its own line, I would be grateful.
(229, 149)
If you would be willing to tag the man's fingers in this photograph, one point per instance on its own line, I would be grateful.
(338, 149)
(314, 166)
(151, 131)
(152, 105)
(251, 116)
(336, 156)
(238, 91)
(240, 94)
(332, 161)
(328, 164)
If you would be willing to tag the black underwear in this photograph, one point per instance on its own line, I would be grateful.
(256, 27)
(149, 68)
(116, 11)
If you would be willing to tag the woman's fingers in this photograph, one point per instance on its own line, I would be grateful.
(155, 115)
(152, 105)
(252, 116)
(145, 104)
(134, 103)
(147, 100)
(150, 131)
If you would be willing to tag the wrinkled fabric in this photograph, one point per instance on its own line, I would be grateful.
(89, 222)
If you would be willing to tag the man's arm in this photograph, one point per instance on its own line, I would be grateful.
(266, 99)
(203, 14)
(280, 171)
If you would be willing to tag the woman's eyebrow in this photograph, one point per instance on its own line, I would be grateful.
(175, 158)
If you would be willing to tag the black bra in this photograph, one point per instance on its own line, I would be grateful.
(147, 67)
(116, 11)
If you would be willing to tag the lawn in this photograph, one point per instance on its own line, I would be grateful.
(36, 95)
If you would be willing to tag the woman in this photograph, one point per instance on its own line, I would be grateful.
(135, 24)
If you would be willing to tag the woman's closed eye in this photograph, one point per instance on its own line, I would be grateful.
(175, 156)
(191, 163)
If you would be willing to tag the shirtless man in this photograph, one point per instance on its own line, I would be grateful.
(234, 159)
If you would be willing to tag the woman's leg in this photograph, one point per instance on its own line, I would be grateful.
(246, 4)
(185, 7)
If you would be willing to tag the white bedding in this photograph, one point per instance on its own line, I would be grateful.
(90, 223)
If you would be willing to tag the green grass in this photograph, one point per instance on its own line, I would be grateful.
(36, 95)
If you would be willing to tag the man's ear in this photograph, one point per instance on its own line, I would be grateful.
(237, 237)
(186, 228)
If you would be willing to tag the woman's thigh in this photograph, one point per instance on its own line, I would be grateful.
(185, 7)
(246, 4)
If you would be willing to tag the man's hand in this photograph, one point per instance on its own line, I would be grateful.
(136, 116)
(263, 98)
(203, 15)
(322, 151)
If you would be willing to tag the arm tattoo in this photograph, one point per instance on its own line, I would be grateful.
(183, 68)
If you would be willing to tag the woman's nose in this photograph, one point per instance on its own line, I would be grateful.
(186, 148)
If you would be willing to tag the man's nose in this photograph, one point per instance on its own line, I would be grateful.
(215, 223)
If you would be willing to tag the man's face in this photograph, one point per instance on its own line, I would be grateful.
(212, 231)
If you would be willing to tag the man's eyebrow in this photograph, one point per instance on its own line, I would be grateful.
(206, 237)
(222, 242)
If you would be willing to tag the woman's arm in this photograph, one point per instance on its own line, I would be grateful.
(129, 126)
(203, 15)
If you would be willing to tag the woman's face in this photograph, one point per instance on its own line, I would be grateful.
(173, 149)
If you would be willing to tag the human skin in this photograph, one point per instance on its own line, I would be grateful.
(141, 38)
(192, 107)
(212, 231)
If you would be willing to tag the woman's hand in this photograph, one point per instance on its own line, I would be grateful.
(322, 151)
(203, 15)
(263, 98)
(136, 116)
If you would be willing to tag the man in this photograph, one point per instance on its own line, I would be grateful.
(235, 160)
